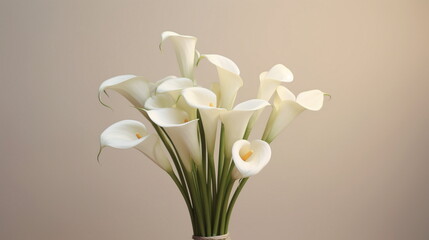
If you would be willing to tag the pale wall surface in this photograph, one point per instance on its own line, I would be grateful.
(356, 170)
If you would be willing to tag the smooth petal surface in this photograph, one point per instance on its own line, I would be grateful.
(235, 121)
(183, 105)
(122, 134)
(205, 100)
(270, 80)
(249, 157)
(132, 134)
(182, 132)
(184, 47)
(256, 105)
(135, 89)
(311, 100)
(286, 109)
(229, 79)
(159, 101)
(152, 148)
(174, 86)
(199, 97)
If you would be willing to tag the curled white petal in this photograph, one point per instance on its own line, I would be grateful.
(229, 79)
(168, 117)
(199, 97)
(183, 133)
(183, 105)
(287, 108)
(152, 148)
(122, 134)
(251, 105)
(205, 100)
(256, 154)
(256, 105)
(159, 101)
(174, 86)
(311, 100)
(135, 89)
(235, 121)
(184, 47)
(132, 134)
(270, 80)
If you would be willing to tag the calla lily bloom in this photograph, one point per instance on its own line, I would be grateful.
(236, 120)
(174, 86)
(133, 134)
(159, 101)
(183, 133)
(135, 89)
(287, 107)
(269, 81)
(249, 158)
(229, 79)
(186, 54)
(205, 101)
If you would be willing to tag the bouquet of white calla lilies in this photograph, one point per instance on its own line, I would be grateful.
(209, 157)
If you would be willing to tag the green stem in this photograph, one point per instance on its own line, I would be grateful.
(184, 194)
(206, 205)
(225, 206)
(187, 181)
(233, 200)
(221, 154)
(192, 181)
(212, 174)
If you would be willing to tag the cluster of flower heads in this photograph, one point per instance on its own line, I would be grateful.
(187, 117)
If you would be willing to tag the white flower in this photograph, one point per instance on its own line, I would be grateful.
(205, 101)
(159, 101)
(287, 107)
(270, 80)
(182, 131)
(132, 134)
(186, 54)
(229, 79)
(235, 121)
(135, 89)
(174, 86)
(249, 157)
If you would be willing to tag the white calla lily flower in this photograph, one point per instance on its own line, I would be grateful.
(133, 134)
(287, 107)
(159, 101)
(135, 89)
(183, 133)
(186, 54)
(269, 81)
(249, 158)
(174, 86)
(229, 79)
(205, 101)
(235, 121)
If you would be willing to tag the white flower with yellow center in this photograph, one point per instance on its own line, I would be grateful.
(235, 121)
(229, 79)
(133, 134)
(182, 131)
(205, 101)
(249, 158)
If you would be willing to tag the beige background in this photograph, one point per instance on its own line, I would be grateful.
(358, 169)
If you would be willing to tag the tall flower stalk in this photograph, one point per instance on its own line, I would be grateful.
(202, 131)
